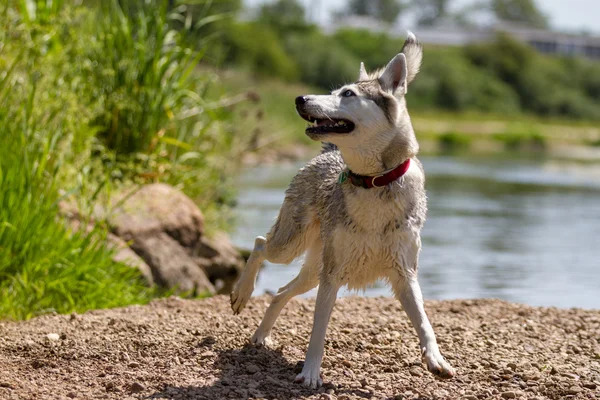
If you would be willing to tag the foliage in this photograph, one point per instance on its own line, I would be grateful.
(521, 11)
(328, 65)
(283, 16)
(361, 42)
(430, 12)
(257, 47)
(544, 85)
(92, 98)
(383, 10)
(144, 69)
(44, 266)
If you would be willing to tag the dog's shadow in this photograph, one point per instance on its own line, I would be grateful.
(247, 373)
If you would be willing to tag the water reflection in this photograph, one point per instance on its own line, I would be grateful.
(525, 230)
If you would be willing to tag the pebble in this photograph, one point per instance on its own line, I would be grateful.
(470, 397)
(347, 364)
(137, 387)
(71, 395)
(508, 395)
(574, 390)
(53, 336)
(252, 368)
(569, 375)
(590, 385)
(133, 364)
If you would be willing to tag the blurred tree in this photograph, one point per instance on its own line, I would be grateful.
(521, 11)
(383, 10)
(284, 15)
(430, 12)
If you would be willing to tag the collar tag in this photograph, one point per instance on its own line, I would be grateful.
(343, 177)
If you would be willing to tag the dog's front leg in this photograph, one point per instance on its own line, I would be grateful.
(408, 291)
(326, 295)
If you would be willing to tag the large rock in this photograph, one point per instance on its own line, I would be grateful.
(171, 266)
(157, 208)
(166, 229)
(221, 262)
(124, 254)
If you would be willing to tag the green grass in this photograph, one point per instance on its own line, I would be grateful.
(87, 107)
(44, 266)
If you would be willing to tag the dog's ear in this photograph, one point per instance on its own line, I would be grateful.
(394, 76)
(362, 75)
(413, 50)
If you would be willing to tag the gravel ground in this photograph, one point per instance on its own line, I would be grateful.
(183, 349)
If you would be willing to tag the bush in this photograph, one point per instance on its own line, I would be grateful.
(452, 83)
(43, 265)
(142, 79)
(321, 62)
(91, 98)
(258, 48)
(374, 49)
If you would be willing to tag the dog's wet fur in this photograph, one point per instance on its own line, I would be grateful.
(352, 236)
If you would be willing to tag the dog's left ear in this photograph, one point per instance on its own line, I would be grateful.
(362, 74)
(395, 74)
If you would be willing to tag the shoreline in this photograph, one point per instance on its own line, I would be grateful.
(196, 349)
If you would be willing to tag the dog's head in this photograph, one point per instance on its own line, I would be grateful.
(371, 109)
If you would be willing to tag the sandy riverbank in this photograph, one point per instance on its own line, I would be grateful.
(183, 349)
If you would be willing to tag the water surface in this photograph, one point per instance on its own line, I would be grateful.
(524, 230)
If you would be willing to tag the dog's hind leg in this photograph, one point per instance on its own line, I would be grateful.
(307, 279)
(326, 296)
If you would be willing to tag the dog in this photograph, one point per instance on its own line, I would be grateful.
(356, 210)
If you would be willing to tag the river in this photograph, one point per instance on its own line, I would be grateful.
(521, 229)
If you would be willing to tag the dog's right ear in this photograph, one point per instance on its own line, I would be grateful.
(413, 51)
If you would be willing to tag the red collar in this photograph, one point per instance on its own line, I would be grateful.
(369, 182)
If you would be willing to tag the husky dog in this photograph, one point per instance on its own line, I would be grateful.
(356, 210)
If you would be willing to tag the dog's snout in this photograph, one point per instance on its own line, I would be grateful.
(300, 100)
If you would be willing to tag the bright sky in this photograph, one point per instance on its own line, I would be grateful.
(568, 15)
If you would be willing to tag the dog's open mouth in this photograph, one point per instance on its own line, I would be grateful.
(328, 125)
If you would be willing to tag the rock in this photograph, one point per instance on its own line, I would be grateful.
(71, 395)
(220, 260)
(166, 229)
(574, 390)
(125, 255)
(171, 266)
(53, 337)
(137, 387)
(508, 395)
(157, 208)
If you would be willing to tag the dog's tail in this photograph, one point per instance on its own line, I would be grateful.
(327, 147)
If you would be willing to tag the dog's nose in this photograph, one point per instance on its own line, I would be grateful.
(300, 100)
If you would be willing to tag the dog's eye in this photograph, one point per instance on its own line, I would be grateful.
(348, 93)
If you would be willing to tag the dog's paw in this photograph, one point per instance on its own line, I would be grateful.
(309, 377)
(438, 366)
(261, 339)
(240, 296)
